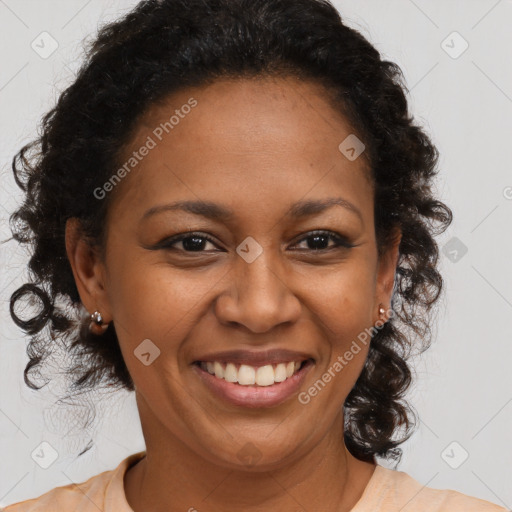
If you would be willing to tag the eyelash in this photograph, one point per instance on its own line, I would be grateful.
(340, 241)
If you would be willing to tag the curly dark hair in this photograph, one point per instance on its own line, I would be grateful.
(162, 46)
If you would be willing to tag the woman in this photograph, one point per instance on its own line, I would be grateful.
(233, 199)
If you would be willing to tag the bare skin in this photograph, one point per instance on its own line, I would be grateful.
(256, 147)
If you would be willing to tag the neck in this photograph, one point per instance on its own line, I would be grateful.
(327, 477)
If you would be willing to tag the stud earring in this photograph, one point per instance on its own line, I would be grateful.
(97, 326)
(382, 312)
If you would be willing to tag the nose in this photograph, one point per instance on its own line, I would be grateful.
(258, 297)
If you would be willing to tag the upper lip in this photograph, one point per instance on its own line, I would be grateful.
(254, 358)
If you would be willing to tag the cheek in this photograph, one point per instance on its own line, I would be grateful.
(345, 308)
(154, 300)
(152, 303)
(344, 300)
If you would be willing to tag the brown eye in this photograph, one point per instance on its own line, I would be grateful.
(191, 242)
(316, 241)
(319, 241)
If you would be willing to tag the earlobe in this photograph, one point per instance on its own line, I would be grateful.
(387, 270)
(88, 269)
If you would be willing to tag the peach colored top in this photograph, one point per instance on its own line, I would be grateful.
(387, 491)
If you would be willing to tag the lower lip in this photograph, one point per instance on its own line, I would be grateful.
(254, 396)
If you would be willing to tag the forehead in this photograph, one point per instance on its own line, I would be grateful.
(243, 142)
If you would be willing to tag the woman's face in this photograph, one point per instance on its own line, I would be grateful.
(266, 150)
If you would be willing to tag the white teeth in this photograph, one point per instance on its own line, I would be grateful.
(247, 375)
(280, 373)
(219, 371)
(265, 375)
(231, 373)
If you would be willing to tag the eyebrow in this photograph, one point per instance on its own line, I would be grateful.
(218, 212)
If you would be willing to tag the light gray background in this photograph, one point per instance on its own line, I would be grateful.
(463, 391)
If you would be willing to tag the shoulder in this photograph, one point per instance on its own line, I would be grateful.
(67, 497)
(90, 495)
(392, 490)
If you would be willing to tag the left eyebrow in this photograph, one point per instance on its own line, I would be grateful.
(218, 212)
(203, 208)
(313, 207)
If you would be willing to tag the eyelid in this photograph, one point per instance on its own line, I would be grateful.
(168, 242)
(341, 241)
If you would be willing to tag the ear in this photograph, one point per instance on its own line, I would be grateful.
(386, 273)
(88, 270)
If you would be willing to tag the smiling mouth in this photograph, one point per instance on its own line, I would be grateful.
(248, 375)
